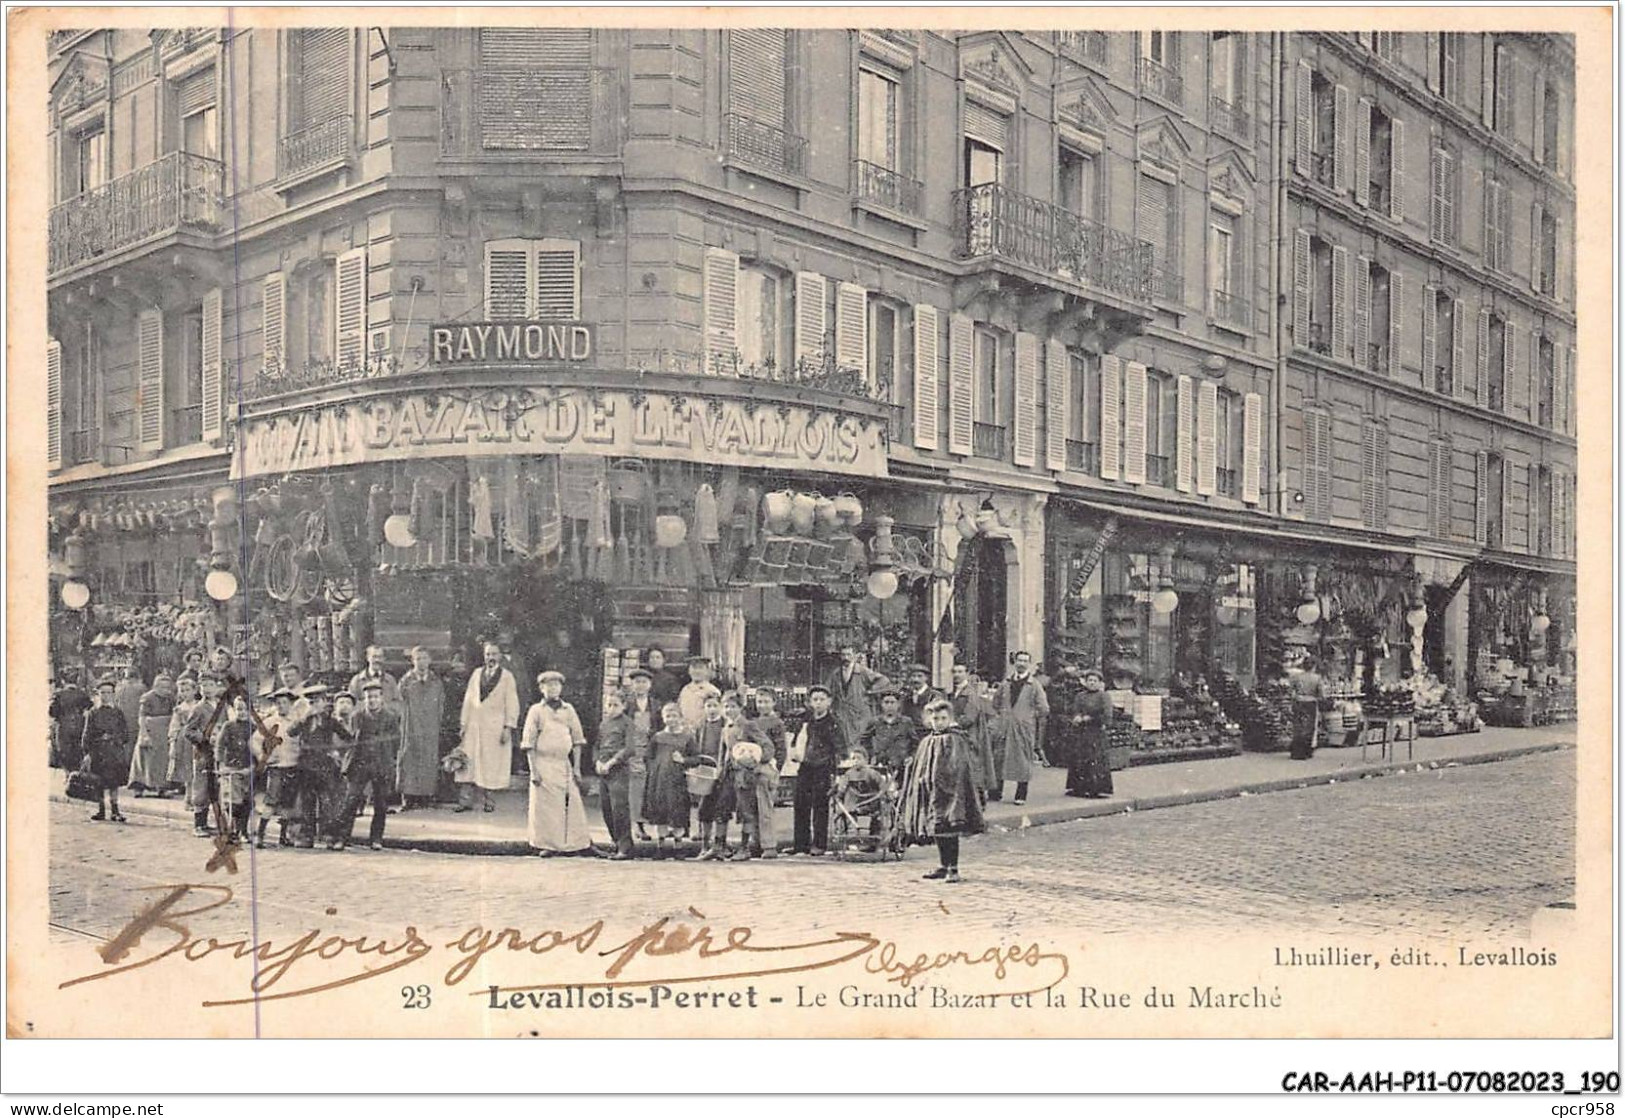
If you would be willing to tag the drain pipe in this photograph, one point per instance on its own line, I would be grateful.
(1277, 236)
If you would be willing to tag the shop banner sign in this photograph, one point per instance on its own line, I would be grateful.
(767, 435)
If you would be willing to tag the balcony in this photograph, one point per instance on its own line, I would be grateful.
(1167, 285)
(1232, 310)
(994, 221)
(178, 193)
(1443, 383)
(1225, 482)
(1322, 168)
(312, 151)
(185, 426)
(83, 446)
(752, 144)
(1082, 457)
(1158, 470)
(522, 115)
(1087, 45)
(1230, 119)
(1161, 81)
(987, 440)
(881, 186)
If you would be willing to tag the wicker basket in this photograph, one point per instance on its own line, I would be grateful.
(702, 778)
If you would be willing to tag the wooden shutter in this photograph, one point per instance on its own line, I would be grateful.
(149, 396)
(1435, 78)
(274, 320)
(1026, 433)
(811, 299)
(1396, 193)
(1185, 417)
(1342, 138)
(1057, 403)
(1340, 303)
(1539, 117)
(1396, 308)
(720, 310)
(194, 92)
(926, 372)
(1207, 443)
(1436, 195)
(214, 373)
(1570, 506)
(558, 281)
(1514, 387)
(1481, 497)
(508, 267)
(756, 73)
(324, 64)
(53, 404)
(961, 386)
(350, 307)
(1430, 337)
(1362, 313)
(1252, 431)
(1535, 216)
(1569, 424)
(1317, 465)
(1302, 284)
(1304, 119)
(1506, 503)
(1134, 386)
(1151, 215)
(1111, 438)
(1374, 476)
(852, 328)
(1481, 365)
(1458, 350)
(1362, 152)
(1440, 467)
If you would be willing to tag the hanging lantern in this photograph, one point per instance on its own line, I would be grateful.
(670, 528)
(73, 550)
(882, 582)
(825, 518)
(221, 585)
(1417, 617)
(1540, 623)
(398, 528)
(1309, 612)
(75, 594)
(1165, 600)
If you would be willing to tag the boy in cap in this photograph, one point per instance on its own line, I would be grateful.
(234, 766)
(369, 764)
(820, 743)
(920, 695)
(616, 748)
(106, 745)
(279, 760)
(643, 718)
(319, 733)
(889, 740)
(197, 739)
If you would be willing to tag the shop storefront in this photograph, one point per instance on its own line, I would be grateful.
(1521, 632)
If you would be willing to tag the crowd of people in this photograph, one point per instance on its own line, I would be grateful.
(677, 757)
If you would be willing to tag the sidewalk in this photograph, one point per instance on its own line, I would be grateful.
(441, 830)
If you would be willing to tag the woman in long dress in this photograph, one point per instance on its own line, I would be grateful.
(149, 765)
(179, 774)
(558, 817)
(939, 800)
(1090, 773)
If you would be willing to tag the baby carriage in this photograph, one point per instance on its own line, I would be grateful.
(863, 811)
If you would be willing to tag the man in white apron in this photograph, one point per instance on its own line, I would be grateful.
(490, 717)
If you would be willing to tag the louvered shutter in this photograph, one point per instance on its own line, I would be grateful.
(1430, 337)
(1185, 418)
(1343, 138)
(1362, 152)
(1396, 193)
(1026, 434)
(1436, 192)
(1492, 231)
(926, 373)
(986, 125)
(1539, 117)
(1207, 443)
(1569, 424)
(1057, 403)
(1505, 92)
(508, 267)
(961, 389)
(1362, 313)
(1562, 263)
(558, 281)
(324, 75)
(756, 67)
(1151, 201)
(1458, 351)
(528, 74)
(1439, 468)
(214, 373)
(1303, 119)
(350, 308)
(274, 321)
(1111, 411)
(1452, 191)
(1570, 513)
(1340, 303)
(1533, 381)
(1302, 284)
(1481, 365)
(1134, 386)
(1536, 215)
(811, 299)
(1396, 310)
(1252, 430)
(1435, 78)
(1481, 497)
(1374, 480)
(1503, 223)
(1515, 386)
(194, 92)
(720, 312)
(852, 328)
(1507, 474)
(53, 404)
(1317, 435)
(149, 394)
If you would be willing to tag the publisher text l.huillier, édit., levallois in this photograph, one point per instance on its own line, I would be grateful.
(1332, 955)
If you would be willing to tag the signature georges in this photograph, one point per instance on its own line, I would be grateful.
(662, 951)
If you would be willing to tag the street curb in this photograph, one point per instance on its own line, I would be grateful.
(1088, 809)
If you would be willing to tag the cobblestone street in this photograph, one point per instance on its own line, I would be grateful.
(1454, 852)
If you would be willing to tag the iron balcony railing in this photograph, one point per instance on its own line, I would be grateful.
(1089, 45)
(1082, 457)
(1377, 358)
(1443, 383)
(1161, 81)
(993, 220)
(1226, 481)
(326, 143)
(987, 440)
(514, 113)
(1230, 119)
(178, 192)
(185, 426)
(84, 446)
(1167, 284)
(1158, 469)
(1232, 309)
(885, 187)
(753, 143)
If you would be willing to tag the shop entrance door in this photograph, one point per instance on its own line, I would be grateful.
(1434, 641)
(991, 603)
(553, 624)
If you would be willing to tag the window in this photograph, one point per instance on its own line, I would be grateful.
(1086, 398)
(1157, 45)
(884, 333)
(1541, 503)
(1505, 78)
(1550, 116)
(1492, 499)
(534, 88)
(983, 169)
(1159, 65)
(1157, 221)
(1320, 296)
(761, 318)
(533, 279)
(877, 119)
(1496, 368)
(1546, 372)
(1375, 357)
(983, 163)
(318, 72)
(1380, 184)
(1229, 435)
(194, 99)
(1497, 225)
(988, 388)
(1079, 183)
(1227, 84)
(1443, 219)
(87, 168)
(1225, 271)
(1444, 365)
(1444, 67)
(1546, 277)
(1323, 161)
(1161, 418)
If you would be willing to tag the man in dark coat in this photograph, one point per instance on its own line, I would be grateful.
(920, 695)
(369, 765)
(106, 743)
(320, 733)
(820, 745)
(197, 738)
(890, 739)
(849, 687)
(67, 710)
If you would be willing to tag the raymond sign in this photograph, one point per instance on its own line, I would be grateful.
(646, 425)
(508, 343)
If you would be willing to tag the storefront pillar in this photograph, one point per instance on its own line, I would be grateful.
(1455, 640)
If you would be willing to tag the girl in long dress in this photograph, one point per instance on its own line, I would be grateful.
(666, 801)
(939, 800)
(1090, 773)
(558, 816)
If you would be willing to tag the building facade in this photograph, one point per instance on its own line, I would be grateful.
(713, 339)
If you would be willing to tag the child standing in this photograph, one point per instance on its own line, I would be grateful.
(614, 765)
(280, 762)
(665, 794)
(106, 744)
(717, 805)
(745, 757)
(769, 732)
(234, 766)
